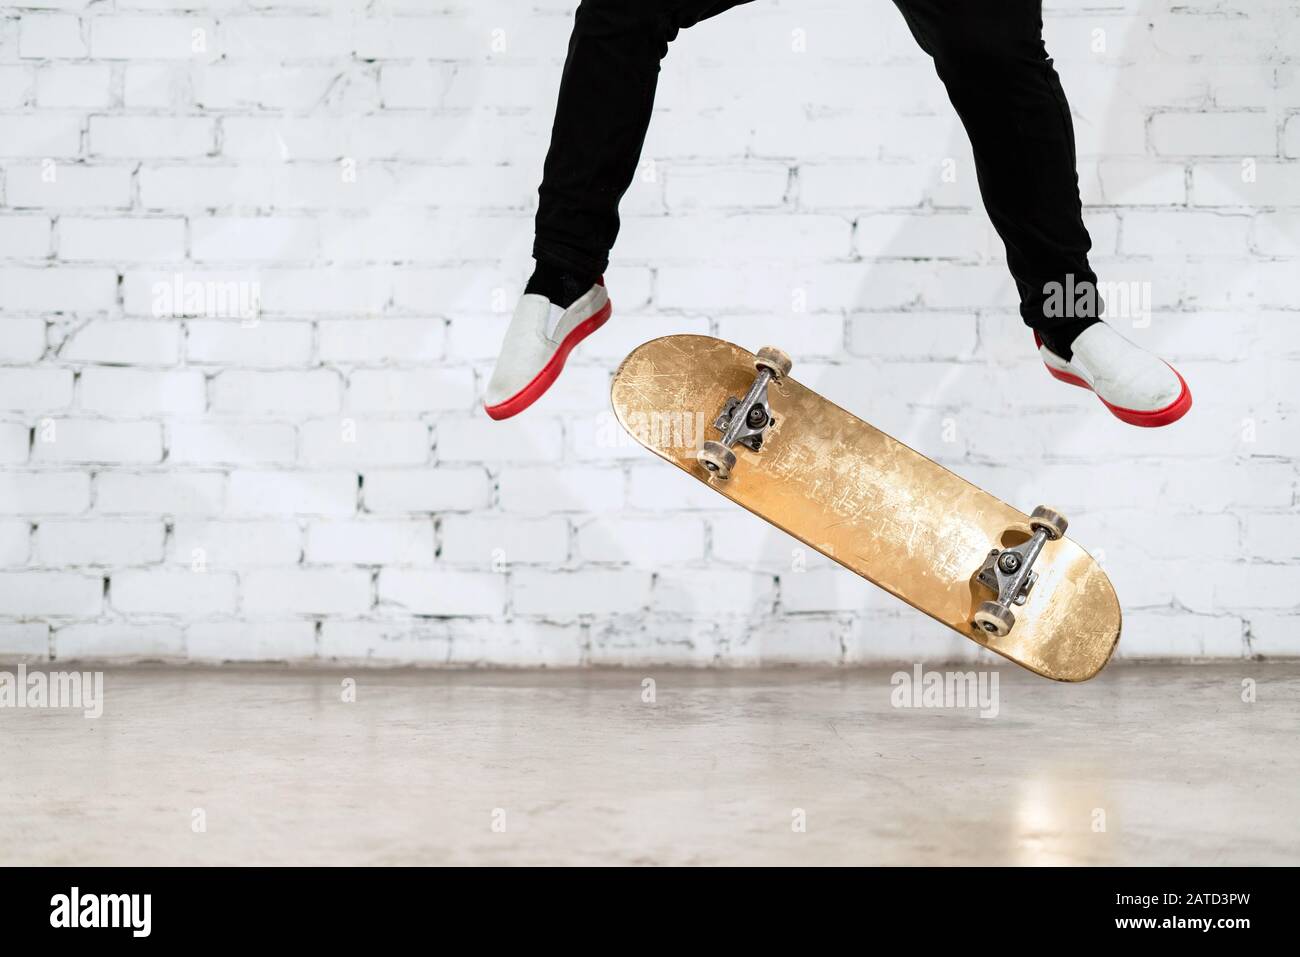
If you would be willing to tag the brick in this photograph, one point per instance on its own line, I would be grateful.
(442, 489)
(109, 640)
(250, 641)
(291, 393)
(381, 340)
(531, 644)
(561, 595)
(187, 593)
(306, 591)
(151, 136)
(707, 592)
(236, 443)
(125, 341)
(1278, 234)
(44, 493)
(497, 542)
(390, 642)
(1122, 182)
(162, 86)
(1273, 634)
(253, 239)
(282, 38)
(414, 390)
(1214, 134)
(123, 391)
(913, 335)
(541, 490)
(56, 594)
(1183, 233)
(909, 236)
(473, 439)
(16, 84)
(159, 493)
(799, 336)
(68, 186)
(105, 542)
(1247, 182)
(121, 240)
(364, 442)
(27, 639)
(15, 442)
(46, 36)
(15, 542)
(38, 390)
(23, 340)
(193, 187)
(126, 37)
(24, 237)
(641, 541)
(316, 492)
(231, 544)
(442, 592)
(70, 85)
(97, 440)
(745, 186)
(403, 542)
(253, 85)
(1272, 536)
(40, 136)
(233, 343)
(1181, 636)
(66, 289)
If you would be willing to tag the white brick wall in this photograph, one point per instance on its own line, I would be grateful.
(178, 479)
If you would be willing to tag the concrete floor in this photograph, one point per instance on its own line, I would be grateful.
(712, 772)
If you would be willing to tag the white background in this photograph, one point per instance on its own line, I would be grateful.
(322, 483)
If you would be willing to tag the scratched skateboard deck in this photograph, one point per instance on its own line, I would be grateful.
(870, 503)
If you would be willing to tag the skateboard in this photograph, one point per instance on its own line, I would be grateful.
(738, 422)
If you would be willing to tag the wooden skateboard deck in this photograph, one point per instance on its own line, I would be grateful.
(870, 503)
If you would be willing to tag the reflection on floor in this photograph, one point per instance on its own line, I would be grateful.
(1144, 765)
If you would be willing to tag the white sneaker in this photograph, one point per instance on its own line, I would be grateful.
(1138, 387)
(540, 337)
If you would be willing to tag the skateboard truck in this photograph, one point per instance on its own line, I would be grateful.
(1010, 574)
(745, 421)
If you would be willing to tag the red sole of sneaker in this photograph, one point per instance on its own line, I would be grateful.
(551, 371)
(1146, 420)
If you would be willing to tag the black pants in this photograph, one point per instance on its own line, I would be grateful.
(988, 53)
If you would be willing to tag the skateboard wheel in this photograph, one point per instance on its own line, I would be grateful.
(717, 458)
(993, 619)
(774, 361)
(1051, 522)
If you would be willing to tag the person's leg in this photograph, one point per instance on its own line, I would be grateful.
(606, 96)
(999, 77)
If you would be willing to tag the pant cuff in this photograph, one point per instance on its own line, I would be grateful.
(1059, 334)
(569, 259)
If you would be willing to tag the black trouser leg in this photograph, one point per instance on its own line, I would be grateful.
(999, 77)
(606, 94)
